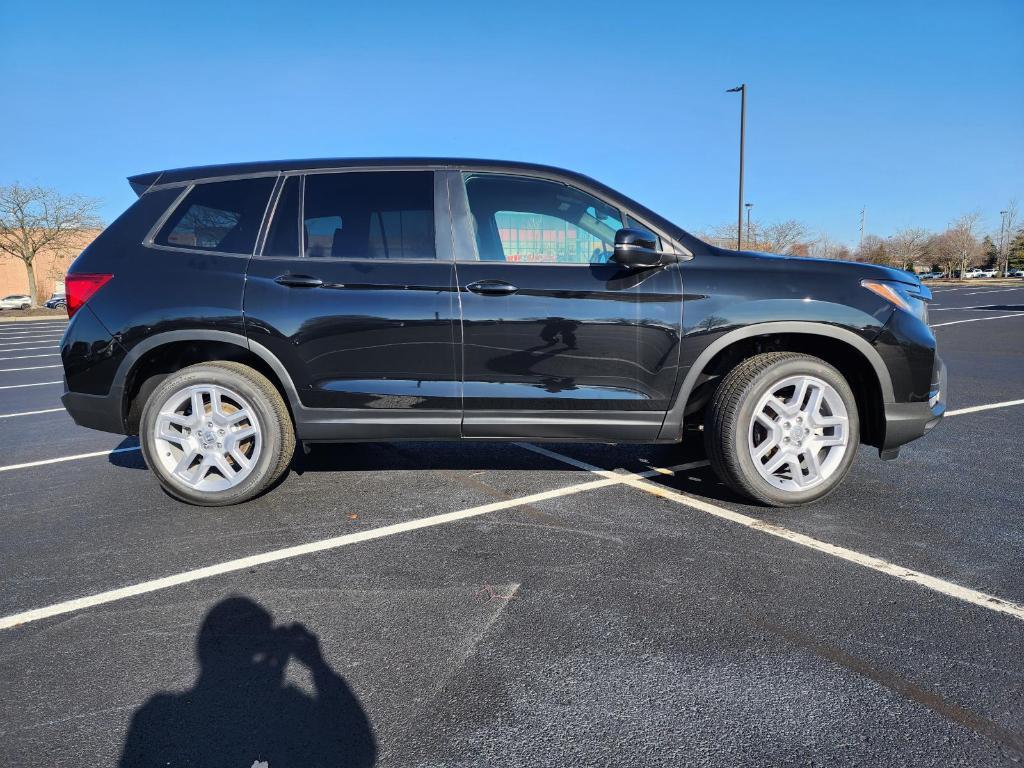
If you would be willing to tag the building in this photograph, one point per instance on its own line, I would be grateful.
(50, 268)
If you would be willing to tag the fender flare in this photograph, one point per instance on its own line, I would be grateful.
(204, 334)
(672, 426)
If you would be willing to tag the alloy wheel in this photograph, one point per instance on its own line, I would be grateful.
(207, 437)
(799, 433)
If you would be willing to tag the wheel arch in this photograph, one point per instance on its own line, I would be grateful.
(149, 361)
(840, 347)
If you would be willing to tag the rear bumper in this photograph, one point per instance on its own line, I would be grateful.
(905, 422)
(102, 412)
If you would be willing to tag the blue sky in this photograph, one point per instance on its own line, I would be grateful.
(914, 109)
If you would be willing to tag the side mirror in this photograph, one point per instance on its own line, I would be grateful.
(637, 249)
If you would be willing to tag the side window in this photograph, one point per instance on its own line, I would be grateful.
(219, 216)
(283, 237)
(370, 215)
(520, 219)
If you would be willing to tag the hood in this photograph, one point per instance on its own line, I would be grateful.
(863, 270)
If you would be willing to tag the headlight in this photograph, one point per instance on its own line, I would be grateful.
(910, 298)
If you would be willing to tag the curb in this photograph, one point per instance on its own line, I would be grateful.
(38, 318)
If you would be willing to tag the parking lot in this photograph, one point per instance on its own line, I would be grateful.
(514, 604)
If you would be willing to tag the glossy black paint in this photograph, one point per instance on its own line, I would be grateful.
(461, 347)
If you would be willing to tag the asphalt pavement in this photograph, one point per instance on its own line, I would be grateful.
(446, 604)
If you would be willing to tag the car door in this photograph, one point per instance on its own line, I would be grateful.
(353, 292)
(558, 341)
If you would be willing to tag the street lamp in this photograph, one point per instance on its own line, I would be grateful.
(742, 90)
(749, 206)
(1002, 229)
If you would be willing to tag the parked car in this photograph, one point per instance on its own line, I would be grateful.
(988, 273)
(972, 273)
(15, 301)
(1015, 273)
(410, 299)
(57, 301)
(932, 275)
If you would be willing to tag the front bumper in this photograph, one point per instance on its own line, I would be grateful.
(905, 422)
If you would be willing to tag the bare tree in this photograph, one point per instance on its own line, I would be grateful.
(1007, 231)
(943, 251)
(963, 243)
(825, 248)
(37, 219)
(783, 237)
(789, 237)
(873, 249)
(908, 246)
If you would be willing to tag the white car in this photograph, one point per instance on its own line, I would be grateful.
(988, 272)
(15, 301)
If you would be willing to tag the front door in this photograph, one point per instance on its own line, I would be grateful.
(558, 341)
(355, 298)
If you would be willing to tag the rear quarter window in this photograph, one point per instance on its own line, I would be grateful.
(218, 216)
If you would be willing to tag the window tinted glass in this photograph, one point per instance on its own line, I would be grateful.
(388, 215)
(222, 216)
(533, 220)
(283, 238)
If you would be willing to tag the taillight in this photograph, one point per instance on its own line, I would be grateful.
(80, 287)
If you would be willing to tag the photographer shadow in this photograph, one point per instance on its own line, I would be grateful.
(242, 712)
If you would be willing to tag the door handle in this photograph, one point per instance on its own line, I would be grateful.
(299, 281)
(492, 288)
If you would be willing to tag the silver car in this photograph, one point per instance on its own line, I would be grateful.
(15, 301)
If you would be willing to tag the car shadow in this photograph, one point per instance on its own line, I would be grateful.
(496, 456)
(242, 711)
(123, 456)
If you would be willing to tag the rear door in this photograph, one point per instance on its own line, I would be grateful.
(558, 341)
(353, 292)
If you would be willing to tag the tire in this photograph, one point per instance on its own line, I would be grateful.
(233, 456)
(782, 429)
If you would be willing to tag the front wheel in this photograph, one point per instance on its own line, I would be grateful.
(216, 433)
(782, 428)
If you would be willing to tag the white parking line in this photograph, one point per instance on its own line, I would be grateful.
(62, 459)
(977, 320)
(28, 349)
(69, 606)
(40, 340)
(30, 333)
(954, 309)
(28, 368)
(26, 357)
(29, 413)
(12, 340)
(636, 480)
(942, 586)
(989, 407)
(995, 290)
(37, 384)
(30, 340)
(36, 324)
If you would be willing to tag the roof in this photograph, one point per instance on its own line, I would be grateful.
(143, 181)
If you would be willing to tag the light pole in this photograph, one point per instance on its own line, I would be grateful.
(742, 90)
(1002, 230)
(748, 206)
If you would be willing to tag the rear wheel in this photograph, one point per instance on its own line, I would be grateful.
(782, 428)
(216, 433)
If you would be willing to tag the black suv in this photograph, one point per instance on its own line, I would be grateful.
(235, 309)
